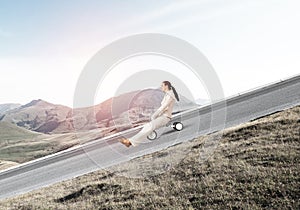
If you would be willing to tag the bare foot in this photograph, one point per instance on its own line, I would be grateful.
(126, 142)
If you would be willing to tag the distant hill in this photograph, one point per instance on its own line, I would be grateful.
(9, 131)
(123, 112)
(38, 115)
(15, 140)
(6, 107)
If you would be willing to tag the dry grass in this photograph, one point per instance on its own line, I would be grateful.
(7, 164)
(20, 145)
(255, 166)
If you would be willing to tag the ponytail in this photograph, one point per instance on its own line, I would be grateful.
(175, 93)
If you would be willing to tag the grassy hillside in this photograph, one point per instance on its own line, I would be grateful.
(256, 166)
(20, 145)
(11, 132)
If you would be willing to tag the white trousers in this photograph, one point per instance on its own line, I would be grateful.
(148, 128)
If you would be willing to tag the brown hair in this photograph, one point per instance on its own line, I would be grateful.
(172, 88)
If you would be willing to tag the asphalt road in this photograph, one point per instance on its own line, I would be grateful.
(106, 152)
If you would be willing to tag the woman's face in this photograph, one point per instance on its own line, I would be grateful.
(164, 87)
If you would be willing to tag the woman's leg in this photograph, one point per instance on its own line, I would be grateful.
(148, 128)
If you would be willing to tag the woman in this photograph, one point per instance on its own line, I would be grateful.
(159, 119)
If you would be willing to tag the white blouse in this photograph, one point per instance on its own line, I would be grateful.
(167, 105)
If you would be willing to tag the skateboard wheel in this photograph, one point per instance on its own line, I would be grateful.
(152, 135)
(177, 126)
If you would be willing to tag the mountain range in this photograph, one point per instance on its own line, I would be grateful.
(121, 112)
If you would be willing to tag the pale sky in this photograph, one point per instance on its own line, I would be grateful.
(44, 45)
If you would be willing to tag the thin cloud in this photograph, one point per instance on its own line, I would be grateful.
(181, 13)
(196, 17)
(160, 13)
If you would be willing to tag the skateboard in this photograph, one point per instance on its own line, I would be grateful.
(177, 126)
